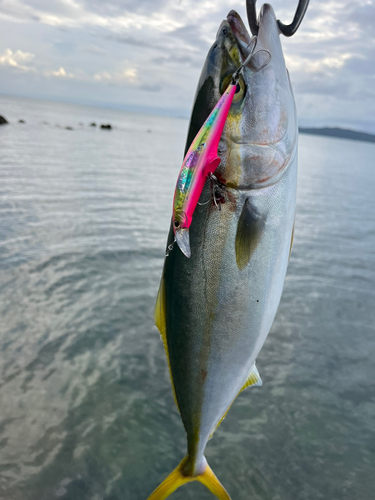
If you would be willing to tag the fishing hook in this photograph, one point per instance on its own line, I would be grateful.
(285, 29)
(170, 248)
(217, 191)
(251, 48)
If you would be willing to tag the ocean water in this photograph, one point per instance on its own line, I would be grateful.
(86, 407)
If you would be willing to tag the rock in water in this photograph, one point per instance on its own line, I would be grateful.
(3, 121)
(108, 126)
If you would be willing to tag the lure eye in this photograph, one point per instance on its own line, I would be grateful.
(240, 87)
(176, 224)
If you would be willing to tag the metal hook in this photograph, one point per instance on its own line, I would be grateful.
(285, 29)
(170, 248)
(251, 48)
(217, 190)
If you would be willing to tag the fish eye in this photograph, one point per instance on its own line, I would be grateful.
(225, 31)
(240, 87)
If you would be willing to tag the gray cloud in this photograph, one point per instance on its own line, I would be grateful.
(150, 87)
(192, 35)
(118, 7)
(364, 15)
(176, 60)
(157, 47)
(136, 42)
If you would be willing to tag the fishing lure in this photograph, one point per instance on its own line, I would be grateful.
(202, 160)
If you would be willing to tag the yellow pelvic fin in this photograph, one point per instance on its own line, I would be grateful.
(253, 379)
(176, 479)
(160, 322)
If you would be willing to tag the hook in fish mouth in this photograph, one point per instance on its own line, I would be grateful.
(183, 241)
(285, 29)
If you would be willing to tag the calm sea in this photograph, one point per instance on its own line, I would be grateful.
(86, 407)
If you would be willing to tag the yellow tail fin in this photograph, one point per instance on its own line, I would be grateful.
(177, 479)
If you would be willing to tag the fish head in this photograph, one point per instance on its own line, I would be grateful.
(223, 59)
(260, 135)
(260, 138)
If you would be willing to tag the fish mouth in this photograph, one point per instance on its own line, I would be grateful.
(240, 33)
(246, 43)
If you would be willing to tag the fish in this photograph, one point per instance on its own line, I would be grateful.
(215, 309)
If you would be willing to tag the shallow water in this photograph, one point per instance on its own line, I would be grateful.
(86, 407)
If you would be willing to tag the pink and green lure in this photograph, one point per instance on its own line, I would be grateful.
(200, 161)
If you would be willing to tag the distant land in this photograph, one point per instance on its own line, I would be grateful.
(339, 132)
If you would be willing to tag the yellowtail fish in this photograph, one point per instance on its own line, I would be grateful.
(214, 310)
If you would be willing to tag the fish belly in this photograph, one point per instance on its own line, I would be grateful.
(219, 307)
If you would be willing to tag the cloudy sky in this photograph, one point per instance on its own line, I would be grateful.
(148, 54)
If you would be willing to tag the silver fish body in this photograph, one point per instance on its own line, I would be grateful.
(215, 309)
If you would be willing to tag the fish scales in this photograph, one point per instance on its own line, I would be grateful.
(209, 309)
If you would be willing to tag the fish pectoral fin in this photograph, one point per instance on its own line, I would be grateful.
(178, 478)
(249, 232)
(253, 379)
(160, 322)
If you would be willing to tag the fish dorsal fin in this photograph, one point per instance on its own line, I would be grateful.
(252, 380)
(161, 325)
(249, 232)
